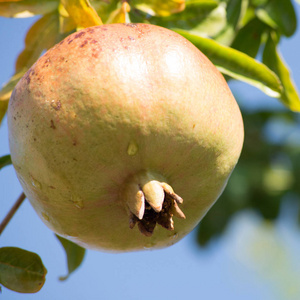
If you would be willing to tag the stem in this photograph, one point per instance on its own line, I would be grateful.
(12, 212)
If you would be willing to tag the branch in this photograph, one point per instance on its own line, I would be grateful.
(12, 212)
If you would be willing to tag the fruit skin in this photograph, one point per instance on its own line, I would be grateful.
(108, 103)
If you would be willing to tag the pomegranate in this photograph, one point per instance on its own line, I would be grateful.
(119, 128)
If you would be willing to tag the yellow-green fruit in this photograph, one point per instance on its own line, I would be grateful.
(114, 126)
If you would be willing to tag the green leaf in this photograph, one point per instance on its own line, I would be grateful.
(204, 16)
(258, 2)
(236, 10)
(236, 64)
(249, 37)
(273, 59)
(280, 15)
(5, 161)
(27, 8)
(21, 271)
(75, 255)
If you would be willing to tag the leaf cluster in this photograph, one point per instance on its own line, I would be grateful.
(231, 33)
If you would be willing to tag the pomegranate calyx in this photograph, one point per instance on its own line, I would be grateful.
(152, 202)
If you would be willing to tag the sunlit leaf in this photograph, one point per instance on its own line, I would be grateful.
(66, 23)
(249, 37)
(236, 64)
(158, 7)
(105, 8)
(41, 36)
(3, 109)
(81, 11)
(279, 15)
(27, 8)
(9, 86)
(21, 271)
(120, 15)
(213, 23)
(6, 91)
(75, 255)
(5, 161)
(236, 10)
(273, 59)
(195, 13)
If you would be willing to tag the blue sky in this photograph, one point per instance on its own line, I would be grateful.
(253, 260)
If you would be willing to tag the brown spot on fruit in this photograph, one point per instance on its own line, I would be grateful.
(52, 124)
(90, 30)
(132, 25)
(28, 78)
(83, 44)
(38, 94)
(79, 34)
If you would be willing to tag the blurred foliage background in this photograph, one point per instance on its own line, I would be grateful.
(267, 174)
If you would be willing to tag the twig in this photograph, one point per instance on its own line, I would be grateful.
(12, 212)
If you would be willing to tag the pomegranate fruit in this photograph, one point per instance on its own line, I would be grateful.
(114, 126)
